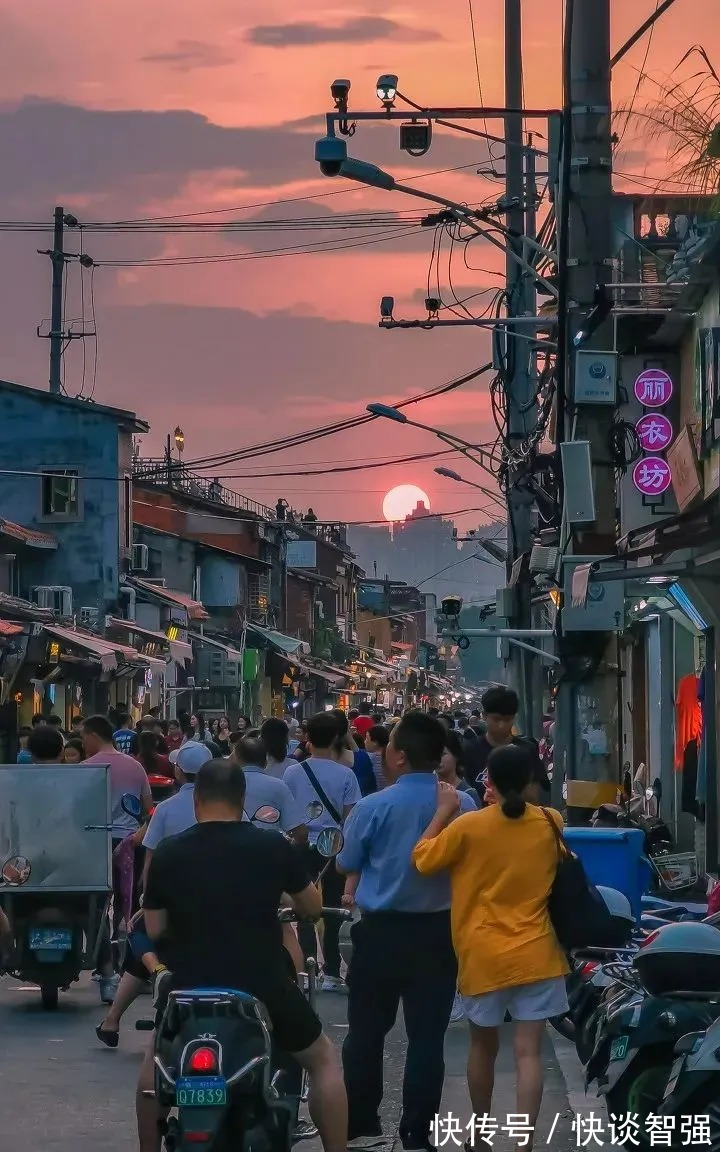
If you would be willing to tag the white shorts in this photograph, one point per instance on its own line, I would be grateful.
(538, 1001)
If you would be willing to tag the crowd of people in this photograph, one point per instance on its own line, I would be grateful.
(448, 858)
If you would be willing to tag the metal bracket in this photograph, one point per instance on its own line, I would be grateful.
(590, 110)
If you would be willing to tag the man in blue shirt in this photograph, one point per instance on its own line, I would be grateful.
(402, 946)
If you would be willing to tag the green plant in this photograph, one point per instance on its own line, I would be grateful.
(687, 118)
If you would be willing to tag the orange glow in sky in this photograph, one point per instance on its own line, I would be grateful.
(131, 111)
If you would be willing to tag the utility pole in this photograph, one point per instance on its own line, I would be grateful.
(519, 382)
(591, 770)
(57, 257)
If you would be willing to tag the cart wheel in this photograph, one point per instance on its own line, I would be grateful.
(49, 994)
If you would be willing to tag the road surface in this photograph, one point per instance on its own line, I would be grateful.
(62, 1091)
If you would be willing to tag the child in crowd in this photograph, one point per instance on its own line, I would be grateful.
(376, 742)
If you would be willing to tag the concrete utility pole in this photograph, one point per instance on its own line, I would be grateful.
(591, 771)
(56, 315)
(519, 362)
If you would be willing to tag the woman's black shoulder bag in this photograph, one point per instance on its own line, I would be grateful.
(578, 913)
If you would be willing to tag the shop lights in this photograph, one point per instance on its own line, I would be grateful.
(684, 602)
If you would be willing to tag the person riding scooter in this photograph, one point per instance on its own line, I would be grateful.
(209, 892)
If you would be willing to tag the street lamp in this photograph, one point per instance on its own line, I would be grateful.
(481, 457)
(179, 437)
(331, 155)
(450, 474)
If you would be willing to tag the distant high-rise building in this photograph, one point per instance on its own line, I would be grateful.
(423, 551)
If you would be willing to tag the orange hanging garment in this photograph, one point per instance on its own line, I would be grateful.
(688, 717)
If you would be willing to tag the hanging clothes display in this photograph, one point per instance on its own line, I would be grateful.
(688, 718)
(702, 753)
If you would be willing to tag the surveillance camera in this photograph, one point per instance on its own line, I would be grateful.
(387, 307)
(330, 154)
(451, 605)
(339, 91)
(387, 89)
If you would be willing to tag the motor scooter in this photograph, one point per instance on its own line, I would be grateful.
(635, 1047)
(217, 1069)
(55, 844)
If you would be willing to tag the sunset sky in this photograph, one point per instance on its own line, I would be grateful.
(135, 110)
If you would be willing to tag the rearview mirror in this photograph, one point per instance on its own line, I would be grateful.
(330, 842)
(16, 870)
(131, 805)
(267, 814)
(314, 809)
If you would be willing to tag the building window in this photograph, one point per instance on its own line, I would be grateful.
(61, 495)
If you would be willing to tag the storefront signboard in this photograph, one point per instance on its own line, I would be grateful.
(653, 388)
(651, 476)
(655, 432)
(684, 468)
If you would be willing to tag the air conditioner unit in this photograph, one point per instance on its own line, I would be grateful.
(262, 533)
(89, 616)
(56, 598)
(139, 558)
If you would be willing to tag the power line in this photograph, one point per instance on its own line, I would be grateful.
(307, 248)
(640, 78)
(306, 437)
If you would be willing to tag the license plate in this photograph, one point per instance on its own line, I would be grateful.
(674, 1077)
(55, 939)
(201, 1092)
(619, 1047)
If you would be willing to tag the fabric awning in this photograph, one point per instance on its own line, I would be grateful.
(283, 643)
(210, 642)
(27, 536)
(179, 651)
(334, 678)
(194, 609)
(104, 651)
(8, 628)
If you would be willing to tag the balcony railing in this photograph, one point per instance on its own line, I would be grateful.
(173, 475)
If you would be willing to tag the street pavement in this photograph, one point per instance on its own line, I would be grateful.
(62, 1091)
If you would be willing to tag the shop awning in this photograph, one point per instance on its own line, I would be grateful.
(104, 651)
(194, 609)
(13, 608)
(283, 643)
(179, 651)
(8, 628)
(332, 676)
(27, 536)
(210, 642)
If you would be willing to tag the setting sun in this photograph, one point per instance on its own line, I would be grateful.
(401, 501)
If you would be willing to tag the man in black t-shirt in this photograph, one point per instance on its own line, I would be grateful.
(500, 708)
(211, 899)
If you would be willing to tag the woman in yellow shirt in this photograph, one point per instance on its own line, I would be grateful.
(502, 863)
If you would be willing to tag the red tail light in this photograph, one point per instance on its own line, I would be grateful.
(588, 969)
(203, 1060)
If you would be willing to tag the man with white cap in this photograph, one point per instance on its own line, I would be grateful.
(177, 813)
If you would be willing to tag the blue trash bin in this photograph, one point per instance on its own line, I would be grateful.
(614, 858)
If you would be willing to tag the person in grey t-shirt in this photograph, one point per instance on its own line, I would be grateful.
(265, 791)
